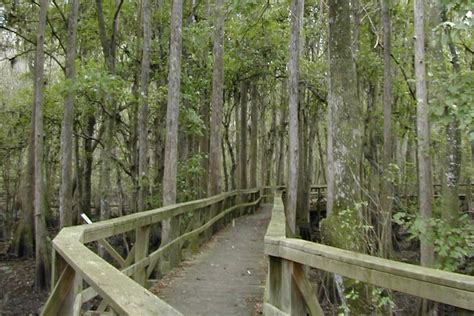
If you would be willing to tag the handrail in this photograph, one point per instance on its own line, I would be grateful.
(441, 286)
(74, 263)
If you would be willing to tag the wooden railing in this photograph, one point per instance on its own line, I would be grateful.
(80, 275)
(288, 292)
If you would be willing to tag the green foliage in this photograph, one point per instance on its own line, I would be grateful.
(457, 101)
(344, 229)
(381, 299)
(453, 242)
(188, 171)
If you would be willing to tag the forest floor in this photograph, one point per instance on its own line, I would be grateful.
(227, 276)
(17, 293)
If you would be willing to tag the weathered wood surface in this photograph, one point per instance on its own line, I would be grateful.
(115, 287)
(74, 262)
(227, 278)
(440, 286)
(60, 292)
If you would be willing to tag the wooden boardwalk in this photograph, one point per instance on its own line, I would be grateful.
(227, 277)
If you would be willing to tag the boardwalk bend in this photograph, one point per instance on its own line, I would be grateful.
(119, 285)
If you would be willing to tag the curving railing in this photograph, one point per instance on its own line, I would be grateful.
(288, 292)
(118, 287)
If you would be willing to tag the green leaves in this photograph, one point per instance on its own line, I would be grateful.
(453, 243)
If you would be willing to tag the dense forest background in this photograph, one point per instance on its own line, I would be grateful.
(111, 107)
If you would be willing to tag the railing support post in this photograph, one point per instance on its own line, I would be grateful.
(283, 296)
(142, 240)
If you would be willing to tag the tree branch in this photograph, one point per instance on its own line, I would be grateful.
(33, 43)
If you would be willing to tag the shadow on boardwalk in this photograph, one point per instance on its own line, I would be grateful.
(227, 277)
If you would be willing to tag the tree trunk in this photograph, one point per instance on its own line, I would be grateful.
(453, 149)
(301, 203)
(65, 197)
(342, 227)
(271, 149)
(387, 190)
(254, 137)
(281, 144)
(293, 91)
(425, 194)
(344, 113)
(172, 115)
(322, 166)
(232, 173)
(22, 243)
(108, 48)
(43, 274)
(243, 134)
(310, 178)
(215, 153)
(204, 147)
(143, 110)
(88, 159)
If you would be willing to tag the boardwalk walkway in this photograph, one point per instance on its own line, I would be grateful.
(228, 276)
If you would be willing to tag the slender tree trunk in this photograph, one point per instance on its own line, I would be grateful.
(453, 148)
(143, 110)
(215, 153)
(237, 97)
(265, 151)
(321, 155)
(204, 147)
(293, 91)
(172, 115)
(301, 203)
(77, 181)
(232, 174)
(271, 149)
(224, 167)
(108, 49)
(106, 169)
(42, 252)
(65, 197)
(88, 159)
(243, 134)
(281, 144)
(310, 178)
(425, 193)
(387, 190)
(254, 137)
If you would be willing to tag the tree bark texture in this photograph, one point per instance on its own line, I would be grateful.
(293, 90)
(425, 194)
(215, 153)
(254, 137)
(243, 134)
(344, 113)
(452, 173)
(387, 189)
(172, 115)
(143, 182)
(42, 252)
(65, 196)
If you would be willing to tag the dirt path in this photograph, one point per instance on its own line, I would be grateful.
(228, 276)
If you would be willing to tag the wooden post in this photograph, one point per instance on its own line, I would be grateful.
(175, 251)
(196, 241)
(142, 240)
(62, 298)
(206, 215)
(284, 297)
(72, 303)
(58, 266)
